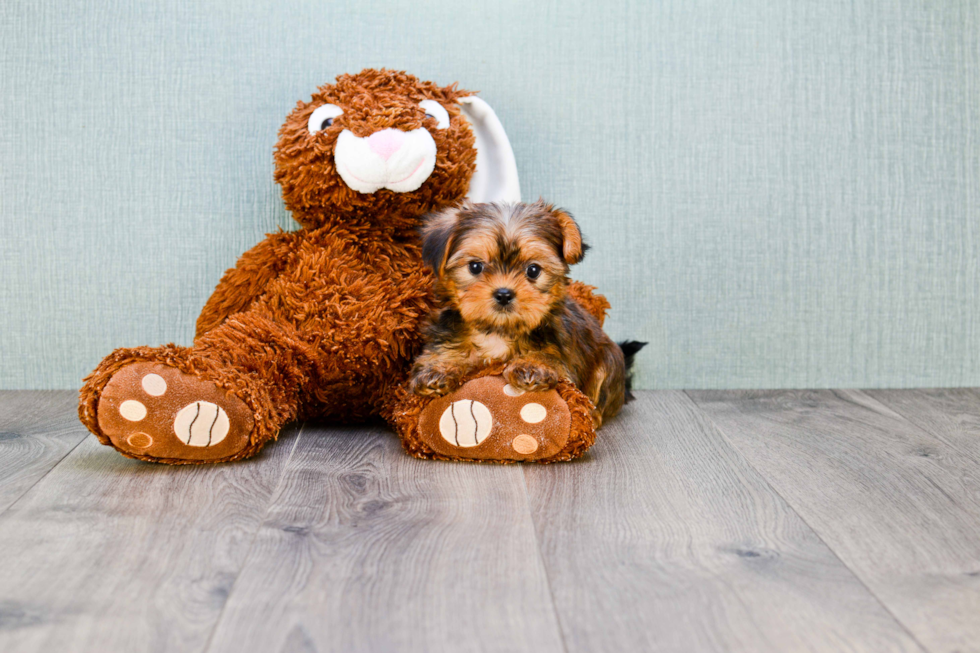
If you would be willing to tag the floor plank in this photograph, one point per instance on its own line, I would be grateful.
(37, 430)
(110, 554)
(899, 506)
(677, 533)
(664, 539)
(952, 415)
(368, 549)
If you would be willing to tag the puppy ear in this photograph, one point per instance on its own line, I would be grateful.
(438, 233)
(572, 247)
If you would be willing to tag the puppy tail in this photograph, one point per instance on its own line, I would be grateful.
(630, 349)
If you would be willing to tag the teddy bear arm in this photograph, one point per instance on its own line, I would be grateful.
(590, 300)
(247, 281)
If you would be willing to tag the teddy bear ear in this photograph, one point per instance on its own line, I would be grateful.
(495, 178)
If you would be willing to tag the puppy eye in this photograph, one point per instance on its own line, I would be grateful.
(323, 117)
(533, 271)
(435, 110)
(476, 268)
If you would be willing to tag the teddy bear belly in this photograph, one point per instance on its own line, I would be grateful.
(351, 403)
(363, 326)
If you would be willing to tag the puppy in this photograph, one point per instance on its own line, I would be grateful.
(501, 277)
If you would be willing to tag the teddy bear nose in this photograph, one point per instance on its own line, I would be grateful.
(386, 142)
(503, 296)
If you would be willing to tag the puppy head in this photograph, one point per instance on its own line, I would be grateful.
(503, 266)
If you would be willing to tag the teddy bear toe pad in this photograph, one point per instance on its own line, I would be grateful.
(487, 419)
(150, 410)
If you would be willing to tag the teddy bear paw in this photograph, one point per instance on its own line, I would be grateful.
(152, 411)
(489, 419)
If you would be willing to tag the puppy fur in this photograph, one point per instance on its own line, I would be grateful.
(501, 289)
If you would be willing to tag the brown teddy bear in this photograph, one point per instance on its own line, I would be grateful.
(324, 322)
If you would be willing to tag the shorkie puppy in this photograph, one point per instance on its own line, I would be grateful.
(501, 276)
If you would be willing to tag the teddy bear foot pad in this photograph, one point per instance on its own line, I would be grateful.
(153, 411)
(488, 419)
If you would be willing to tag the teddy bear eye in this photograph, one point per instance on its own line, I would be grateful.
(435, 110)
(533, 271)
(323, 117)
(476, 268)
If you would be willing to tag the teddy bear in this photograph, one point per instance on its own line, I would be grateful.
(324, 322)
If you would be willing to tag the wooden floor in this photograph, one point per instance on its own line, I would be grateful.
(700, 521)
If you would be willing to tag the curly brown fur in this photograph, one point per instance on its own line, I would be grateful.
(324, 321)
(372, 100)
(501, 280)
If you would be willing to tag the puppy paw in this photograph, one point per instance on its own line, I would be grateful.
(433, 382)
(531, 376)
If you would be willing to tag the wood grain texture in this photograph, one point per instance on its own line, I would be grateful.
(951, 415)
(740, 521)
(664, 539)
(899, 506)
(37, 430)
(110, 554)
(367, 549)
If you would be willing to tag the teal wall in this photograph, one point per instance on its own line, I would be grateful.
(781, 193)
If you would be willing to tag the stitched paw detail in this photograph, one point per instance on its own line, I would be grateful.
(201, 424)
(489, 419)
(465, 423)
(151, 410)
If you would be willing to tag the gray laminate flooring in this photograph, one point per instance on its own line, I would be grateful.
(700, 521)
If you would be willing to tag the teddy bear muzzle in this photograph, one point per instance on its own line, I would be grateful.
(397, 160)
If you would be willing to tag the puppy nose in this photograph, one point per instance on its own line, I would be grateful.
(386, 142)
(503, 296)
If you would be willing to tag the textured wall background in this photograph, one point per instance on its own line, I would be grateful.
(779, 193)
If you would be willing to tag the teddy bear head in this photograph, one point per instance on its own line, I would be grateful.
(382, 148)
